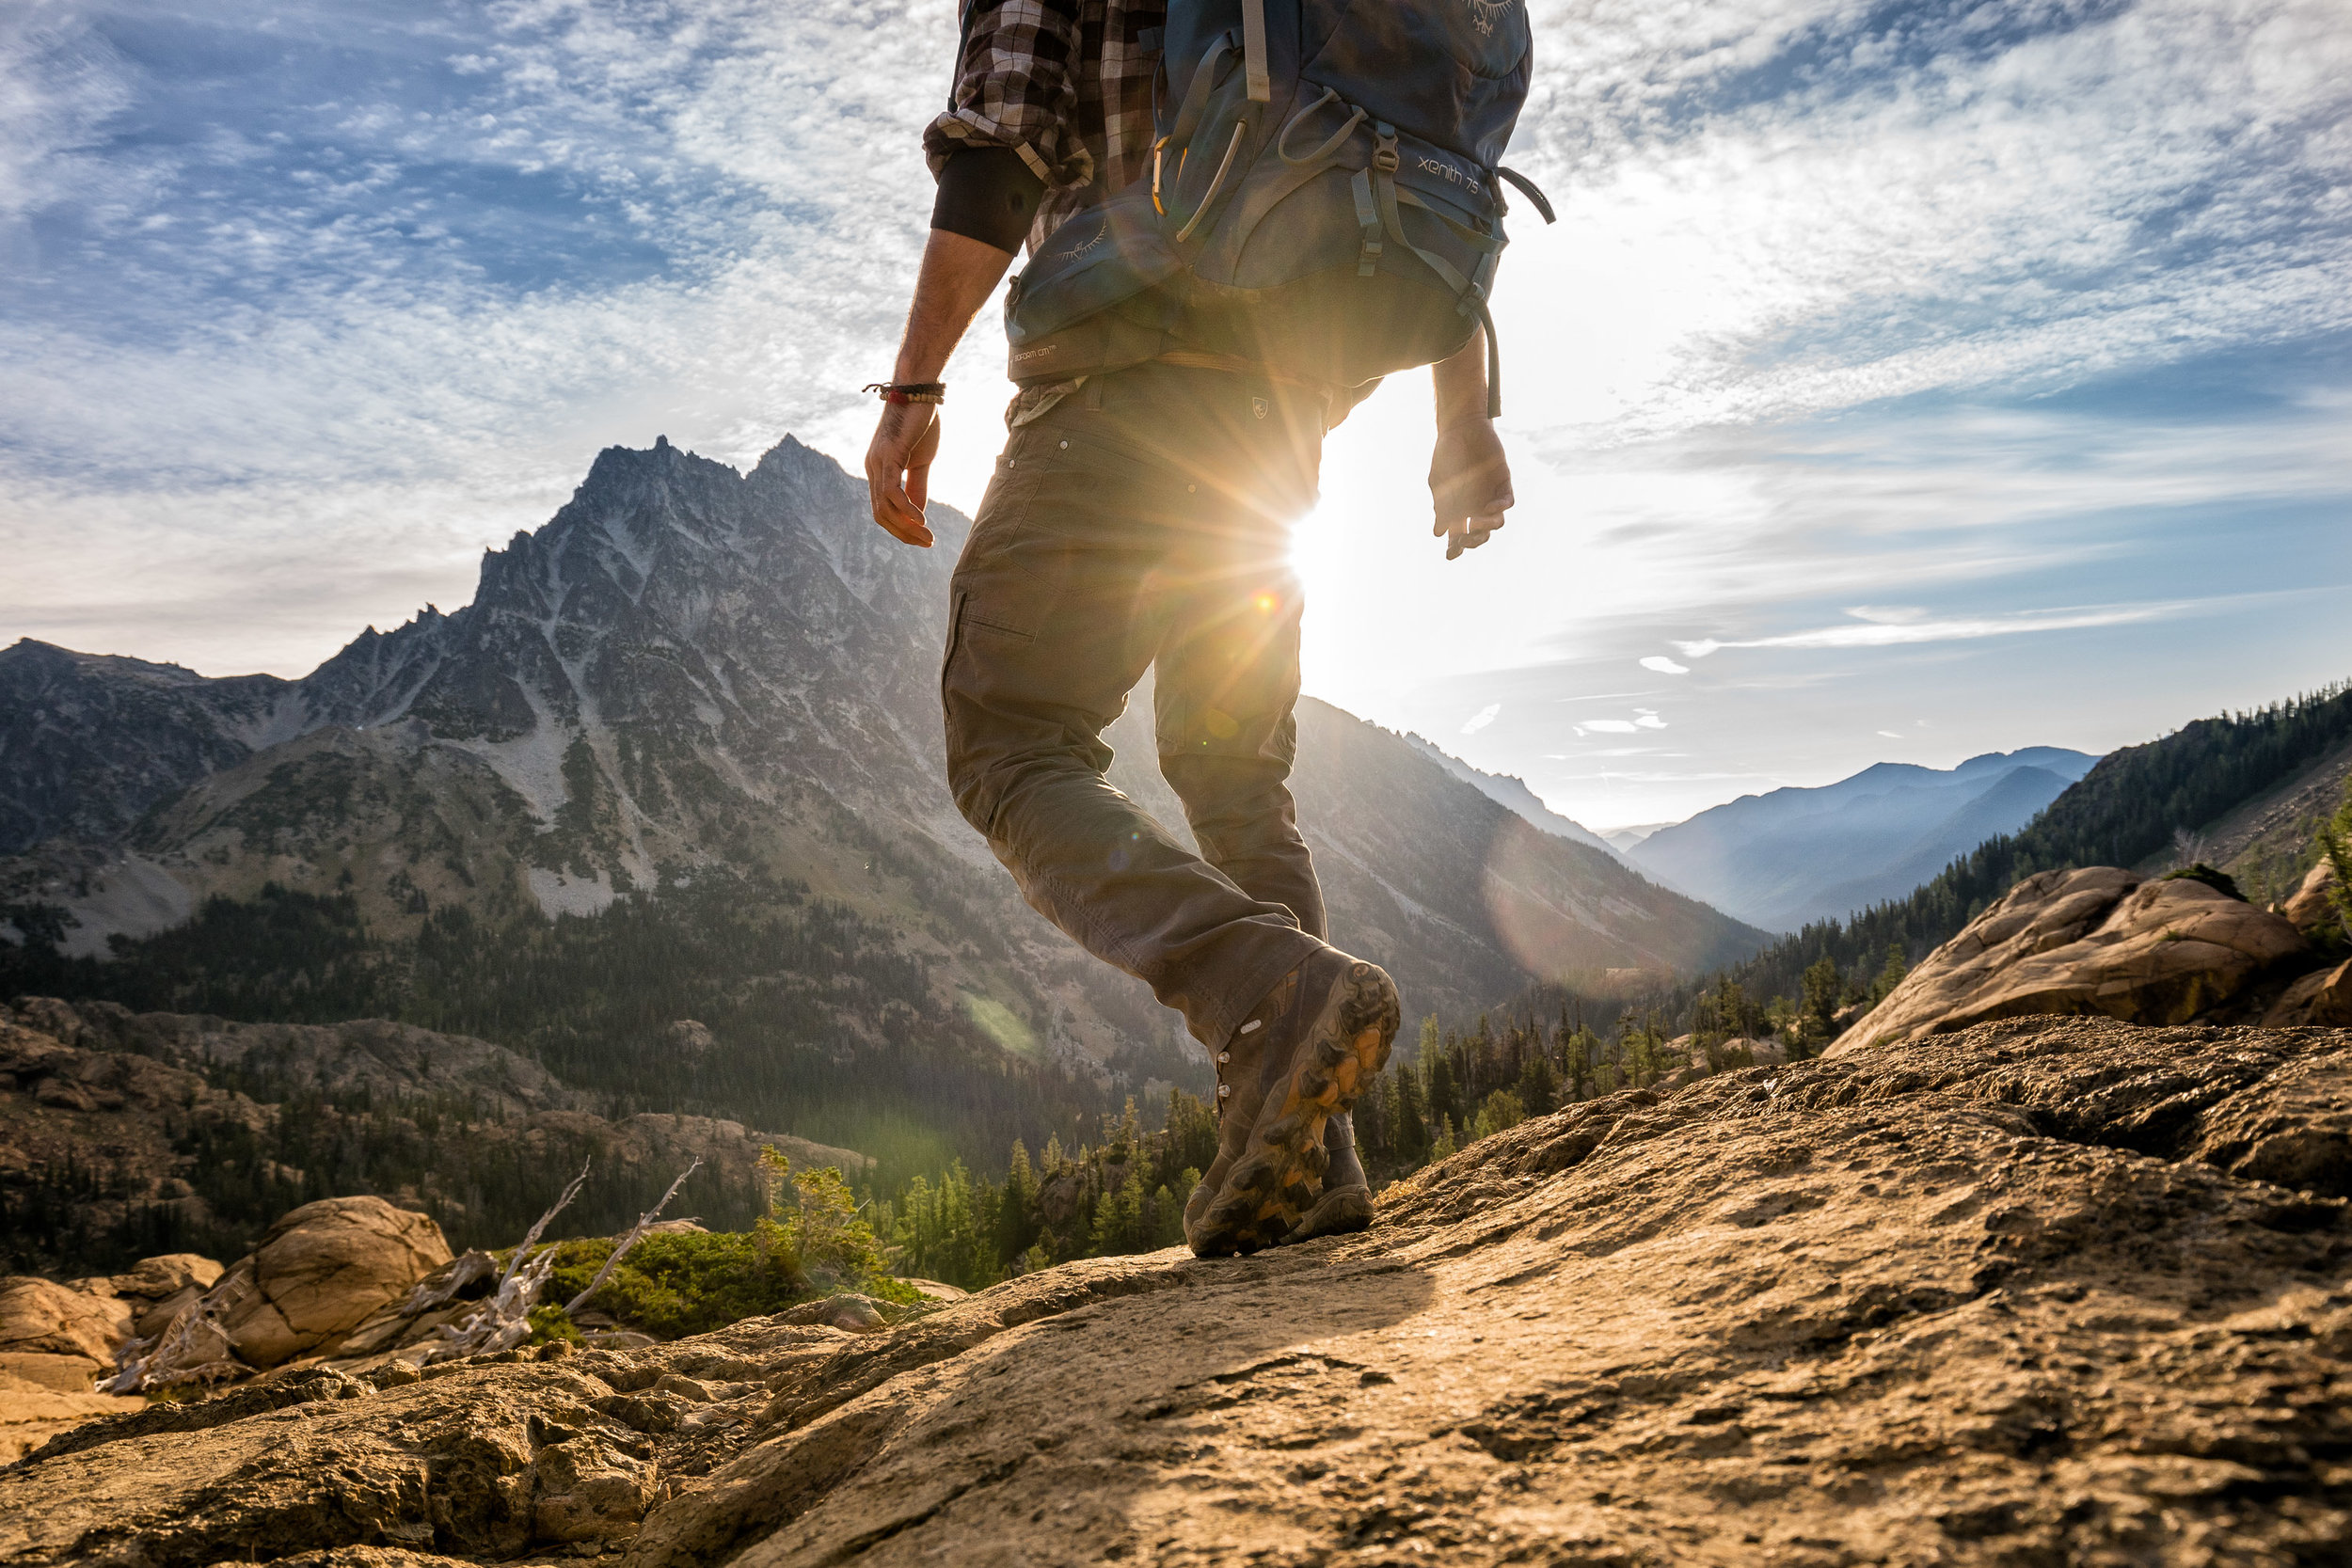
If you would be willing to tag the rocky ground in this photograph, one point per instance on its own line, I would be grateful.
(2046, 1291)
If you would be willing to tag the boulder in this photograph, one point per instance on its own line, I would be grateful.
(2309, 906)
(157, 1278)
(1739, 1051)
(2322, 998)
(321, 1271)
(42, 1317)
(328, 1265)
(689, 1039)
(2097, 941)
(257, 1332)
(848, 1311)
(49, 1016)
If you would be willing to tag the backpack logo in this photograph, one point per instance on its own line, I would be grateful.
(1484, 14)
(1452, 176)
(1082, 247)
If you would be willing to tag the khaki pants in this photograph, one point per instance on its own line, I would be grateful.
(1144, 521)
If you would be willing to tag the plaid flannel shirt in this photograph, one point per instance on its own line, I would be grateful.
(1067, 84)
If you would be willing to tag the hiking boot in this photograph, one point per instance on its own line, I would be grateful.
(1299, 1058)
(1344, 1206)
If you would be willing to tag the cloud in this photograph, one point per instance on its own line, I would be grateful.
(1880, 634)
(1645, 719)
(1794, 206)
(1879, 321)
(1893, 735)
(1480, 719)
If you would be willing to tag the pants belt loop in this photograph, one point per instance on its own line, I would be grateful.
(1092, 397)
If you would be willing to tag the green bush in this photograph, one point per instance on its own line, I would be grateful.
(673, 1284)
(549, 1323)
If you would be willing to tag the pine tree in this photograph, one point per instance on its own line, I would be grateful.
(1410, 1131)
(1820, 996)
(1539, 1086)
(1890, 975)
(1119, 1216)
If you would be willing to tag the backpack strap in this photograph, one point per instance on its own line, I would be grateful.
(1197, 95)
(1253, 51)
(1331, 95)
(1528, 189)
(1368, 258)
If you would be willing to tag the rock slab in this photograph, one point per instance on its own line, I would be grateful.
(2049, 1291)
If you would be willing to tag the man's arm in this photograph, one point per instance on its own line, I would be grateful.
(1470, 478)
(958, 274)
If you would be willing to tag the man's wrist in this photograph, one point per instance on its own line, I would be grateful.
(908, 391)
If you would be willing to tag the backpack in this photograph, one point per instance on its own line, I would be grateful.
(1322, 199)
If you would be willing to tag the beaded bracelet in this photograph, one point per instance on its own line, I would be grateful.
(908, 391)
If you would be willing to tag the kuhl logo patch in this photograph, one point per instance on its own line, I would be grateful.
(1484, 14)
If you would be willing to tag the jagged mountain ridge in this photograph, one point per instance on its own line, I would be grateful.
(1511, 793)
(689, 668)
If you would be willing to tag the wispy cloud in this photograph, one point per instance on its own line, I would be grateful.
(1863, 327)
(1887, 634)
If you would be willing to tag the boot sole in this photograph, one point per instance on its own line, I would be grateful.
(1272, 1187)
(1340, 1211)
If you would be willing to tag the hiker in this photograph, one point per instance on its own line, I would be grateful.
(1165, 435)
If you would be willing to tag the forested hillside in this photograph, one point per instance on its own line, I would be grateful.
(813, 1017)
(2134, 805)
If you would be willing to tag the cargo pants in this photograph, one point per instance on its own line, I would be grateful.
(1144, 521)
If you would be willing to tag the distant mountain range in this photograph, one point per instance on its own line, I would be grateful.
(1782, 859)
(691, 674)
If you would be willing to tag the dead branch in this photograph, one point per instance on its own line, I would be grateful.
(503, 1320)
(635, 1234)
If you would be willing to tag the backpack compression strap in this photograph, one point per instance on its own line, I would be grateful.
(1378, 183)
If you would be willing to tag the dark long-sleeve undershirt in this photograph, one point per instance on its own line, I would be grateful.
(988, 194)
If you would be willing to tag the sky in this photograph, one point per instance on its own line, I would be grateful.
(1901, 382)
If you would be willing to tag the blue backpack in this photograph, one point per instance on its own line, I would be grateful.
(1323, 196)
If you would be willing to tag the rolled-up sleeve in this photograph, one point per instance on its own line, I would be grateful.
(1016, 86)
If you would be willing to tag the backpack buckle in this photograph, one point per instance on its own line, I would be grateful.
(1384, 156)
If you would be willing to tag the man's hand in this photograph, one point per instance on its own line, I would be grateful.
(958, 275)
(1470, 482)
(1469, 479)
(899, 469)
